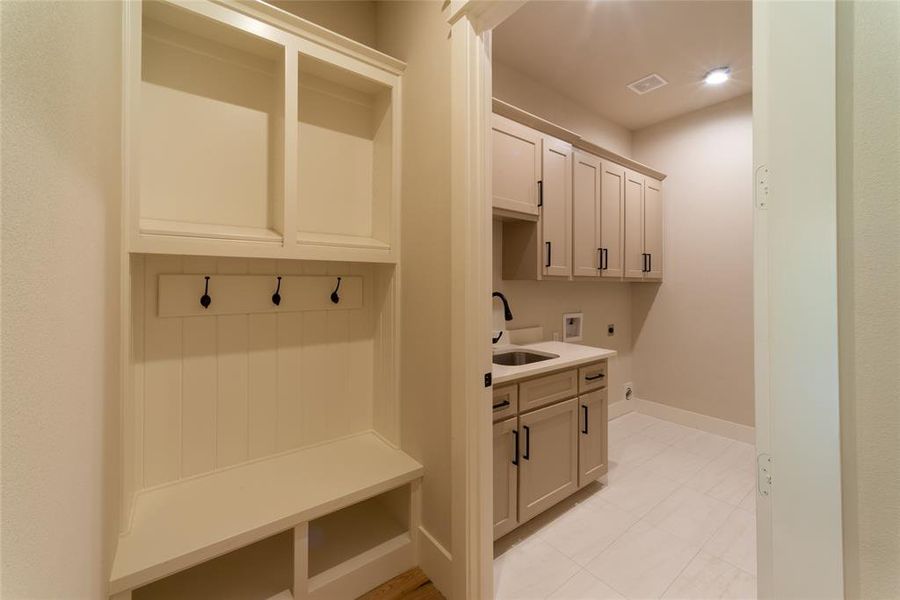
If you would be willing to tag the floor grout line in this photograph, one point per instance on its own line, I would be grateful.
(639, 518)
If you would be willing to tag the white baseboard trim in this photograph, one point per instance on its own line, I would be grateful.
(622, 407)
(436, 562)
(735, 431)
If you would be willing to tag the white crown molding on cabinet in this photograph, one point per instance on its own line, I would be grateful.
(544, 126)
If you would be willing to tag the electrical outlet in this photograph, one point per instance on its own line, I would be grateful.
(611, 329)
(629, 390)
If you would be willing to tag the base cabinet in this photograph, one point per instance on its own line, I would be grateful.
(506, 477)
(548, 457)
(550, 439)
(592, 432)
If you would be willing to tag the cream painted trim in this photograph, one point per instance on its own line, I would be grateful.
(291, 23)
(470, 312)
(483, 14)
(799, 525)
(622, 407)
(436, 561)
(734, 431)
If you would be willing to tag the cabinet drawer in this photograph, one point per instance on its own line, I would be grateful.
(544, 390)
(592, 377)
(506, 402)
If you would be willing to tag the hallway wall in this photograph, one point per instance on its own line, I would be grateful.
(61, 192)
(868, 292)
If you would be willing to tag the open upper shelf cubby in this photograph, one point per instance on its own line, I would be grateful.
(210, 128)
(345, 139)
(253, 133)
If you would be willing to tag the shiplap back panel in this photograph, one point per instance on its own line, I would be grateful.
(213, 391)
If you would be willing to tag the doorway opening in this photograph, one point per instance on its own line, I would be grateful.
(622, 192)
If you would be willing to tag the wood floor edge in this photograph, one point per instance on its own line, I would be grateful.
(410, 585)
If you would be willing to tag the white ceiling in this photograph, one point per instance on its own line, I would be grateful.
(589, 50)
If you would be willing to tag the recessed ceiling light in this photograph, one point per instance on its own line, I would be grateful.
(717, 76)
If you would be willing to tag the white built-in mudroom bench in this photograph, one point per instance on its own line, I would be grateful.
(260, 442)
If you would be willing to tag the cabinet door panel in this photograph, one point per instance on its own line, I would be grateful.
(592, 436)
(585, 215)
(548, 470)
(516, 166)
(556, 223)
(634, 225)
(611, 225)
(653, 229)
(505, 477)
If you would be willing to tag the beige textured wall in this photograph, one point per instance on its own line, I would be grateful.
(693, 334)
(519, 90)
(869, 294)
(543, 303)
(354, 19)
(60, 133)
(417, 33)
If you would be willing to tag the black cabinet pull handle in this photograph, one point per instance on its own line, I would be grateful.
(599, 259)
(501, 404)
(585, 430)
(649, 262)
(595, 377)
(606, 259)
(549, 249)
(527, 455)
(645, 255)
(540, 193)
(515, 459)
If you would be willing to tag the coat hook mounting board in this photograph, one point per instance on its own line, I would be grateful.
(244, 294)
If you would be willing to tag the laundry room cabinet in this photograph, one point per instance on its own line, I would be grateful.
(571, 209)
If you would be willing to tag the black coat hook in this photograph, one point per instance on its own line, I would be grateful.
(334, 295)
(276, 297)
(205, 300)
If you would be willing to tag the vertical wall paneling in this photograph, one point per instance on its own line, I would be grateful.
(133, 405)
(385, 406)
(212, 391)
(199, 383)
(314, 367)
(162, 381)
(337, 360)
(232, 342)
(262, 365)
(360, 355)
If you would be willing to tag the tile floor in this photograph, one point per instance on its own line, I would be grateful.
(677, 520)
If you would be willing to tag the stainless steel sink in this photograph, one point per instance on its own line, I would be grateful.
(515, 358)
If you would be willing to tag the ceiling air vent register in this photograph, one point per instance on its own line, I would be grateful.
(647, 84)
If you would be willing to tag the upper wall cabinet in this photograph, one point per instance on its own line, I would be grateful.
(597, 210)
(255, 135)
(643, 227)
(516, 167)
(556, 207)
(541, 248)
(598, 214)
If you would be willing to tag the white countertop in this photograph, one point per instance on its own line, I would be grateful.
(570, 355)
